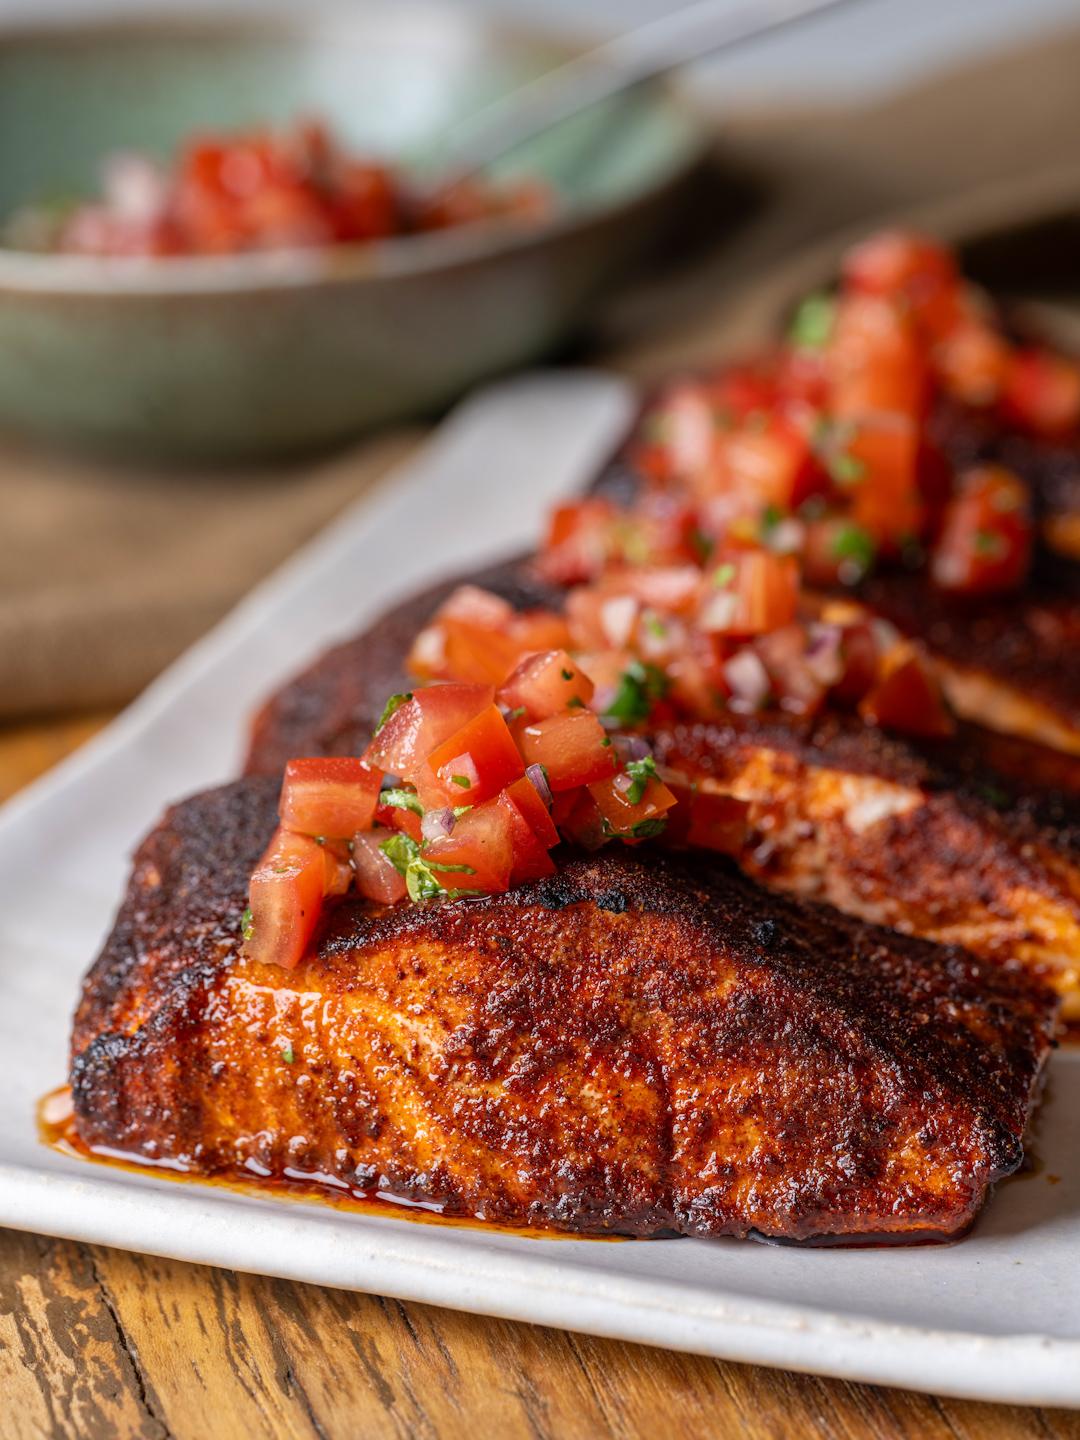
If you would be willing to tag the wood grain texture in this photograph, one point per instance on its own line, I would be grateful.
(97, 1344)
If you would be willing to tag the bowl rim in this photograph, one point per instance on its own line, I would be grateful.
(27, 273)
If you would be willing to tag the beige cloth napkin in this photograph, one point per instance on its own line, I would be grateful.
(107, 573)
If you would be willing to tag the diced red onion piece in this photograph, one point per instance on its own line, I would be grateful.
(719, 611)
(788, 537)
(886, 635)
(429, 649)
(437, 823)
(823, 655)
(618, 617)
(540, 783)
(134, 187)
(631, 747)
(748, 679)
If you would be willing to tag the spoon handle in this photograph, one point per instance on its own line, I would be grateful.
(618, 65)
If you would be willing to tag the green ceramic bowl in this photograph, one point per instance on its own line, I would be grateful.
(268, 354)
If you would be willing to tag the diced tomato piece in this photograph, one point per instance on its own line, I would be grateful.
(524, 795)
(337, 861)
(696, 678)
(986, 535)
(482, 752)
(897, 262)
(908, 697)
(422, 723)
(585, 615)
(972, 362)
(531, 860)
(333, 796)
(706, 819)
(783, 653)
(672, 588)
(884, 489)
(752, 592)
(540, 630)
(579, 540)
(475, 655)
(476, 606)
(481, 841)
(546, 684)
(623, 815)
(572, 748)
(580, 821)
(401, 818)
(285, 898)
(686, 424)
(763, 464)
(875, 361)
(741, 392)
(860, 660)
(376, 876)
(1042, 391)
(470, 639)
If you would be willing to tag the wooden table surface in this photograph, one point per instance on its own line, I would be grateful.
(99, 1343)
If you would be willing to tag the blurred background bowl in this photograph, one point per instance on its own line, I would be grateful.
(274, 353)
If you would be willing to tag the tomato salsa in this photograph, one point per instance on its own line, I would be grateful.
(259, 190)
(727, 586)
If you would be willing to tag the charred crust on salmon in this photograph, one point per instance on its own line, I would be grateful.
(644, 1043)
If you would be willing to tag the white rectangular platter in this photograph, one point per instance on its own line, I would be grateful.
(995, 1317)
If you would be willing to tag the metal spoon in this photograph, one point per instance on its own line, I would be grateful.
(615, 67)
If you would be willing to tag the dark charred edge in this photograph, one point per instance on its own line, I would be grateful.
(1051, 467)
(117, 1113)
(189, 880)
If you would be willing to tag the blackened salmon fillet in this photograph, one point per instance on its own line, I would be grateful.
(644, 1043)
(975, 840)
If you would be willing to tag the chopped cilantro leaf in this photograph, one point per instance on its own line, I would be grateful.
(846, 469)
(575, 703)
(288, 1054)
(656, 427)
(655, 626)
(401, 799)
(771, 517)
(639, 688)
(247, 924)
(646, 829)
(702, 545)
(394, 703)
(404, 854)
(421, 883)
(723, 575)
(854, 543)
(640, 772)
(401, 850)
(813, 322)
(568, 674)
(988, 544)
(462, 780)
(516, 713)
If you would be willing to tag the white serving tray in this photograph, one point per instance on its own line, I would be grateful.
(995, 1317)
